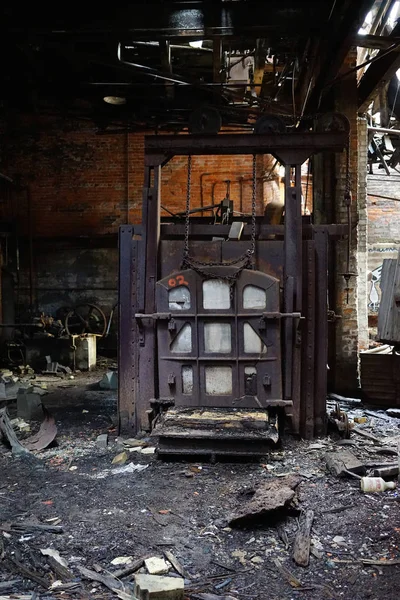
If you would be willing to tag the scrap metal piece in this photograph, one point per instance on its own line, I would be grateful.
(38, 441)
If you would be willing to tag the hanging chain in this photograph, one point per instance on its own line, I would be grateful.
(188, 262)
(347, 202)
(185, 258)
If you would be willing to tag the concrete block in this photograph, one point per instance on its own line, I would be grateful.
(156, 566)
(102, 440)
(29, 405)
(153, 587)
(86, 352)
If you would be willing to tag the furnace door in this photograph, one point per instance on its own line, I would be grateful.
(219, 339)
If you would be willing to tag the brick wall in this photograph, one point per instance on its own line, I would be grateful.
(348, 332)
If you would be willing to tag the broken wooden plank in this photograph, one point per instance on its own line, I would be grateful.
(175, 563)
(62, 572)
(290, 578)
(302, 542)
(138, 564)
(341, 462)
(32, 575)
(367, 435)
(21, 527)
(387, 471)
(109, 582)
(5, 586)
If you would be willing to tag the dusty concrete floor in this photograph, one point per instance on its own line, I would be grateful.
(105, 515)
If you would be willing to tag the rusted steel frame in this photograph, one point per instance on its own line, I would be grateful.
(160, 148)
(321, 331)
(199, 229)
(148, 371)
(308, 342)
(126, 335)
(289, 286)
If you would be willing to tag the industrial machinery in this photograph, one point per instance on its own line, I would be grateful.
(224, 324)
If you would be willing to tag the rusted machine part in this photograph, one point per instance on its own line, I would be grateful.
(86, 318)
(341, 420)
(38, 441)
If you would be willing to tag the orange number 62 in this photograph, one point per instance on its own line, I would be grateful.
(178, 280)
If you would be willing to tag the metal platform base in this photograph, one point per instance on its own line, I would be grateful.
(216, 432)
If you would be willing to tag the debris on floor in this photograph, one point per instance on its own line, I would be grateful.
(82, 527)
(109, 381)
(270, 496)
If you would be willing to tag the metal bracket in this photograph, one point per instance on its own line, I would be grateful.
(278, 315)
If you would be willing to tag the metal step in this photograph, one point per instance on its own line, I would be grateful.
(216, 432)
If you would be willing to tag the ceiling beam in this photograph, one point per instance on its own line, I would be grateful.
(379, 73)
(334, 48)
(375, 42)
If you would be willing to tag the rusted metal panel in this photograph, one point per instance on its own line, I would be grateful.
(171, 252)
(127, 350)
(264, 366)
(321, 330)
(147, 354)
(308, 343)
(242, 143)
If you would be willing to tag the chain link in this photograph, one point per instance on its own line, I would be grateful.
(247, 258)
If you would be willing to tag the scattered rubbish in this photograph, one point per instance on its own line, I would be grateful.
(133, 443)
(156, 566)
(54, 554)
(212, 597)
(131, 468)
(342, 462)
(223, 584)
(148, 450)
(393, 412)
(102, 440)
(109, 581)
(20, 424)
(376, 484)
(386, 471)
(240, 555)
(386, 451)
(175, 563)
(122, 560)
(292, 580)
(302, 542)
(367, 435)
(271, 495)
(109, 381)
(350, 401)
(360, 420)
(339, 539)
(149, 587)
(129, 570)
(120, 459)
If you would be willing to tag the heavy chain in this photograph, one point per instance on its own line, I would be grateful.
(185, 258)
(247, 258)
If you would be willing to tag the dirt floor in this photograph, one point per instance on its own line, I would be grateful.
(184, 508)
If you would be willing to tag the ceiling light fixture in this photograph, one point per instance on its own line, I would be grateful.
(116, 100)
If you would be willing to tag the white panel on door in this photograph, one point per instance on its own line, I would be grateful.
(187, 379)
(179, 298)
(254, 297)
(183, 341)
(216, 294)
(217, 338)
(218, 381)
(253, 344)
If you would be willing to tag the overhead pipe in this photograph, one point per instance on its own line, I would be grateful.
(384, 130)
